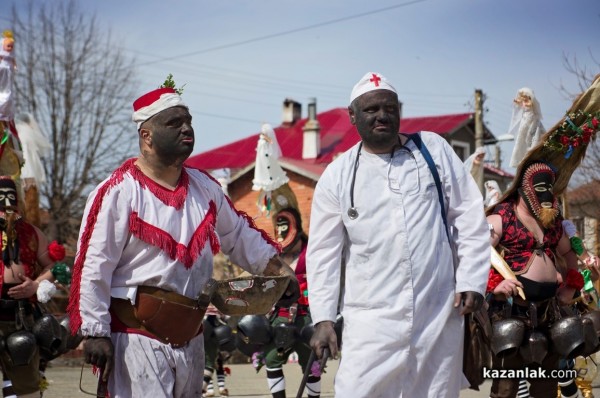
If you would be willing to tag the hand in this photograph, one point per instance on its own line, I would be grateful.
(99, 351)
(508, 287)
(280, 268)
(292, 293)
(324, 337)
(471, 302)
(25, 289)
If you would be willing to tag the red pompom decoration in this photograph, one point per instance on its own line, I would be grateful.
(56, 251)
(494, 280)
(574, 279)
(303, 300)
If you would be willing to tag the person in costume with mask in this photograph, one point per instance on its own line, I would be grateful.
(26, 263)
(8, 66)
(376, 217)
(290, 235)
(492, 193)
(526, 226)
(525, 125)
(145, 257)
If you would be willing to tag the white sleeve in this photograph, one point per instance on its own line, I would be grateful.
(467, 221)
(102, 237)
(248, 246)
(324, 253)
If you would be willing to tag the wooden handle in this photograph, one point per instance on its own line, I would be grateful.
(503, 269)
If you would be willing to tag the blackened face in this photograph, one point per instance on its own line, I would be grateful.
(376, 115)
(172, 134)
(542, 185)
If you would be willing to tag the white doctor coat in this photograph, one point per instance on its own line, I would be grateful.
(402, 336)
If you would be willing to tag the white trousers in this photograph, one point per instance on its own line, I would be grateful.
(146, 368)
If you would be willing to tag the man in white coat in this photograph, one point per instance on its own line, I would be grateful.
(376, 217)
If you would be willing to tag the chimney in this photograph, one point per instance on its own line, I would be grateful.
(292, 111)
(311, 145)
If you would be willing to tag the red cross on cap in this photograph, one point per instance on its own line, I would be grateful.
(375, 79)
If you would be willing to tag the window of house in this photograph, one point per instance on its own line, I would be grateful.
(461, 148)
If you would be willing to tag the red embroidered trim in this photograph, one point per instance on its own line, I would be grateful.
(73, 307)
(175, 198)
(177, 251)
(252, 225)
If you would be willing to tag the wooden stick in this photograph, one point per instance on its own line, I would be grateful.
(503, 269)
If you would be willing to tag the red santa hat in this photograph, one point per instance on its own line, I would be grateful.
(369, 82)
(153, 102)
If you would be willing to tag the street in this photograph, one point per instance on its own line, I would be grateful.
(243, 382)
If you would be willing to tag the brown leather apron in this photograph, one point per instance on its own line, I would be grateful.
(168, 316)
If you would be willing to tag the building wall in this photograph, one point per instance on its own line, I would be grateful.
(590, 236)
(245, 199)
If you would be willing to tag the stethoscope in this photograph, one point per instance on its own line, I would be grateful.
(352, 211)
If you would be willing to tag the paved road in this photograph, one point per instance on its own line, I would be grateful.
(243, 382)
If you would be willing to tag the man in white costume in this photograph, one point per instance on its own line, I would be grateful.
(145, 254)
(376, 215)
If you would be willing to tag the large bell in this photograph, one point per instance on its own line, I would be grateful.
(593, 316)
(224, 335)
(73, 341)
(48, 334)
(534, 348)
(507, 336)
(306, 333)
(590, 338)
(245, 347)
(255, 329)
(21, 347)
(567, 337)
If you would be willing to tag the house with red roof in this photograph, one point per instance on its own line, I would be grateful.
(308, 145)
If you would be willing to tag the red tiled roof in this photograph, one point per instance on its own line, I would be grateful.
(337, 136)
(497, 171)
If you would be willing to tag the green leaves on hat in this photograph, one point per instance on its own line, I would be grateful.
(170, 83)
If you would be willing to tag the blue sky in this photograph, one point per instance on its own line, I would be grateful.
(240, 59)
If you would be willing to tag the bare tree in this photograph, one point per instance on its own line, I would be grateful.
(77, 83)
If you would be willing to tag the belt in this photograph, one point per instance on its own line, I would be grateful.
(8, 304)
(526, 303)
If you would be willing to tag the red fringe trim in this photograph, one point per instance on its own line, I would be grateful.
(176, 251)
(244, 215)
(252, 225)
(73, 307)
(174, 198)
